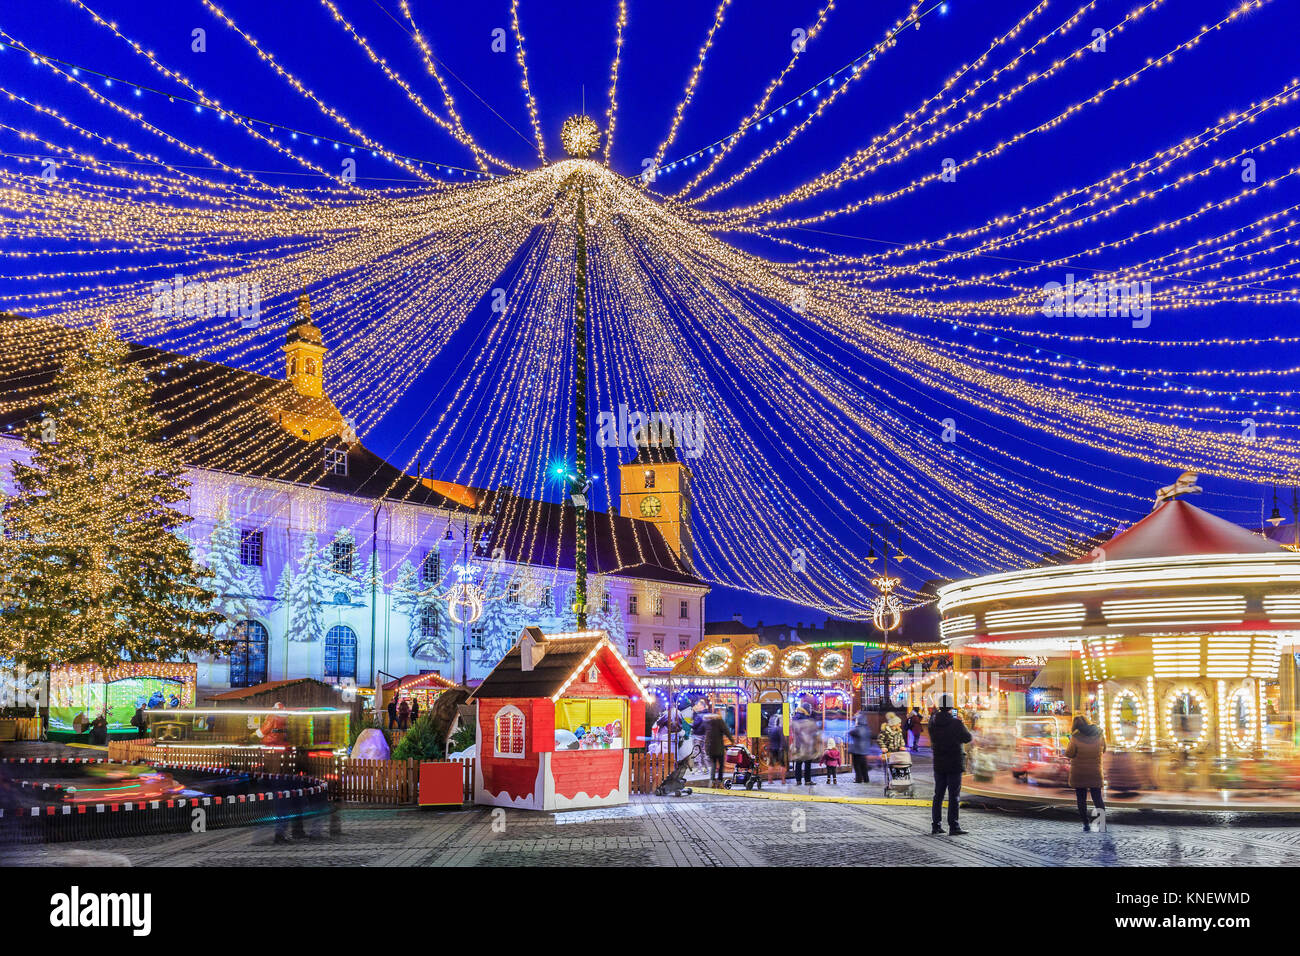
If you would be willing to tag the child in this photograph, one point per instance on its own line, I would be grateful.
(831, 759)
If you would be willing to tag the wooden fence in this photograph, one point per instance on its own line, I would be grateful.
(387, 782)
(20, 728)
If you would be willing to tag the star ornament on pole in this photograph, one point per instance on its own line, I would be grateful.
(886, 611)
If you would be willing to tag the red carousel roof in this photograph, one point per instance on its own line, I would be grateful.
(1178, 528)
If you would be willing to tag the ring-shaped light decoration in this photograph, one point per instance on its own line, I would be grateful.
(1117, 713)
(1247, 696)
(758, 661)
(830, 664)
(715, 659)
(1201, 703)
(796, 663)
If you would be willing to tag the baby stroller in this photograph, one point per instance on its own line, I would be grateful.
(898, 774)
(675, 782)
(746, 772)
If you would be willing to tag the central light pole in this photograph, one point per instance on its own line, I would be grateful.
(579, 479)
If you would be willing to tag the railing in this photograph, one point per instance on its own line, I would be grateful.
(386, 782)
(20, 728)
(648, 769)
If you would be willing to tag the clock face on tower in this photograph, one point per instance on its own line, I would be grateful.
(651, 506)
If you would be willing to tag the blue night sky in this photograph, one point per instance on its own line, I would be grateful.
(569, 49)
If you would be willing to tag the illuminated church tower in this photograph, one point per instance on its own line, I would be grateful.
(304, 353)
(655, 486)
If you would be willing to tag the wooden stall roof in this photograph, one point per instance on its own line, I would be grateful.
(413, 681)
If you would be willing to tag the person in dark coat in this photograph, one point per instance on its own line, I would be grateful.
(859, 745)
(1086, 747)
(392, 713)
(715, 730)
(415, 710)
(403, 714)
(947, 735)
(99, 731)
(776, 761)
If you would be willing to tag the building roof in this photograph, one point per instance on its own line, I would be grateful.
(542, 533)
(565, 655)
(221, 412)
(1178, 528)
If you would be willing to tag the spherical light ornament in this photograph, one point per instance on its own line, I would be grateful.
(580, 136)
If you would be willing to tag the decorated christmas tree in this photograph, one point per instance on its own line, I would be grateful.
(93, 567)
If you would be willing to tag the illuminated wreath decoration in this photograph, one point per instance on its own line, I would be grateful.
(796, 663)
(758, 661)
(830, 664)
(715, 660)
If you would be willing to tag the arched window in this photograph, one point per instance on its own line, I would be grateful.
(248, 656)
(508, 735)
(293, 366)
(340, 653)
(311, 366)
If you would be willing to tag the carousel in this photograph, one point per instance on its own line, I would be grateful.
(1176, 636)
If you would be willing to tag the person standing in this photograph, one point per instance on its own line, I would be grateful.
(859, 745)
(891, 735)
(1085, 749)
(947, 737)
(392, 713)
(403, 714)
(715, 730)
(831, 760)
(415, 710)
(776, 761)
(805, 745)
(914, 724)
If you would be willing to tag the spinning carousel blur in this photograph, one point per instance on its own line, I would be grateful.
(1178, 637)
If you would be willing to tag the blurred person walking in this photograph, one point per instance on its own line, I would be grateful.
(948, 735)
(715, 730)
(858, 744)
(776, 751)
(1085, 749)
(805, 745)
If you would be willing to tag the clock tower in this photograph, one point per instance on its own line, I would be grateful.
(655, 486)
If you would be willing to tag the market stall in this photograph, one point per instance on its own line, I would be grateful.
(747, 683)
(555, 721)
(422, 689)
(82, 692)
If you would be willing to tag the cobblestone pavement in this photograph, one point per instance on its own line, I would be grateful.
(706, 830)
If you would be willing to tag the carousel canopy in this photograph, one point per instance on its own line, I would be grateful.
(1180, 528)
